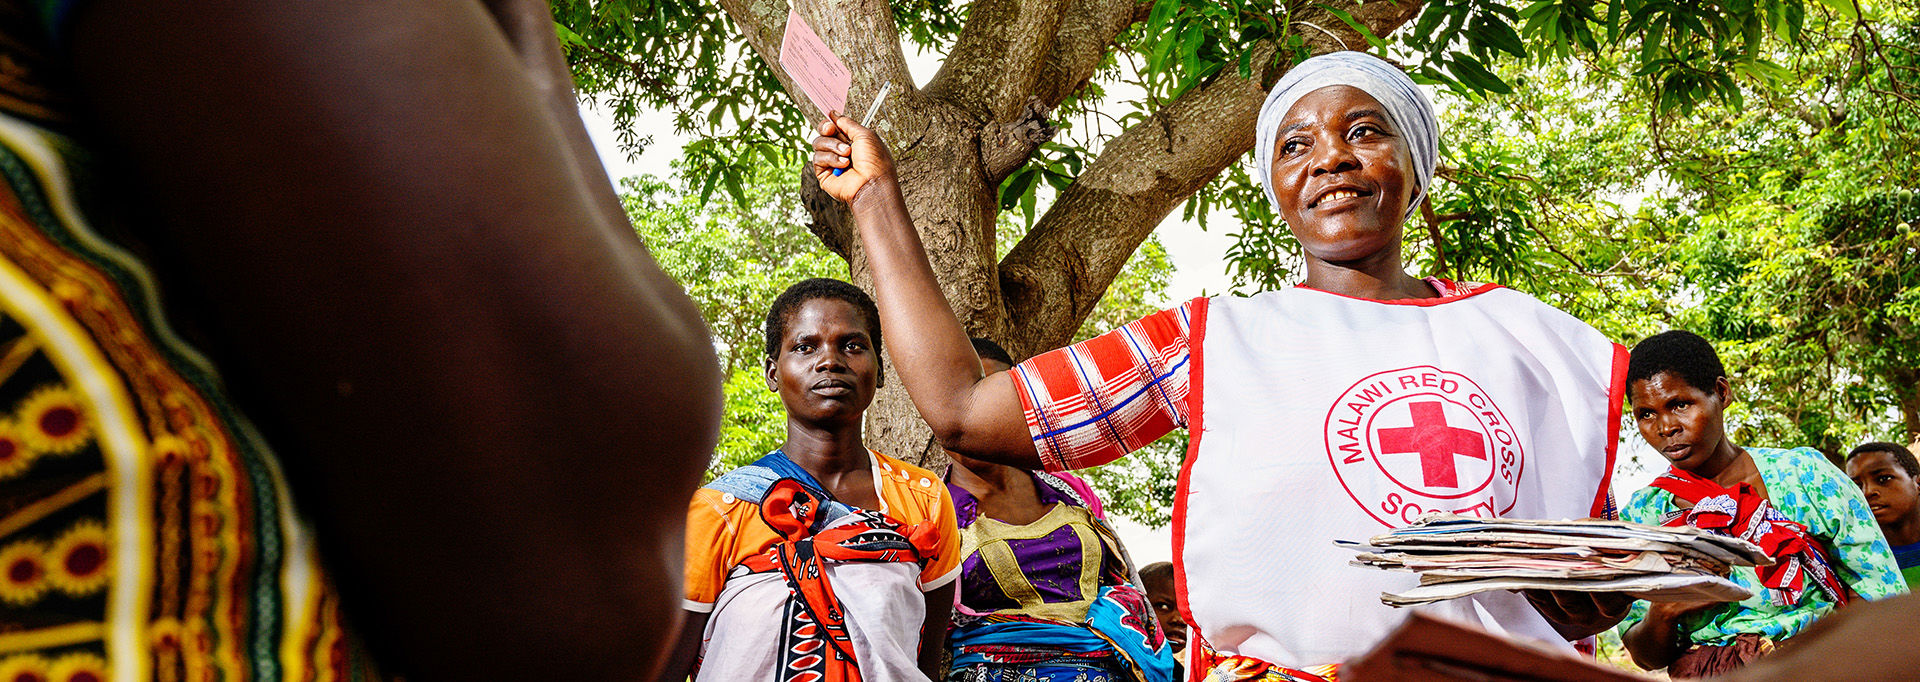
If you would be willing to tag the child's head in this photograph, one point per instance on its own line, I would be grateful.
(1889, 477)
(1157, 578)
(823, 351)
(1680, 393)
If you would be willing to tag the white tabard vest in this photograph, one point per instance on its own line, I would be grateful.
(1318, 417)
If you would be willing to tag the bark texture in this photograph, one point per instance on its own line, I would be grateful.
(984, 114)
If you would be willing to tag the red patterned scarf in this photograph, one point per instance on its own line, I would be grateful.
(1213, 666)
(1744, 513)
(815, 643)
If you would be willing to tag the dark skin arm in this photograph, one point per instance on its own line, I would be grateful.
(679, 664)
(408, 268)
(1655, 641)
(933, 633)
(1578, 615)
(977, 417)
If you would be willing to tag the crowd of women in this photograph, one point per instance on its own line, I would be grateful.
(421, 406)
(1333, 410)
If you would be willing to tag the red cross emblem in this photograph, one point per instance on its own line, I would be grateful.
(1470, 458)
(1436, 442)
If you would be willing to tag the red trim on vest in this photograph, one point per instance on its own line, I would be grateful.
(1196, 415)
(1422, 302)
(1616, 395)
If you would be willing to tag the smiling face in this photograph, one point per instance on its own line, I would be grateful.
(825, 369)
(1685, 424)
(1342, 174)
(1890, 491)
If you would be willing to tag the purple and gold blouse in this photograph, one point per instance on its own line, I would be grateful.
(1050, 569)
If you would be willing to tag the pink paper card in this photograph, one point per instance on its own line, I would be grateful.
(813, 67)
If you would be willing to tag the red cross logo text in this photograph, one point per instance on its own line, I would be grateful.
(1409, 441)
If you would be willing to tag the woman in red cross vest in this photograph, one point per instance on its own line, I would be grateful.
(1336, 409)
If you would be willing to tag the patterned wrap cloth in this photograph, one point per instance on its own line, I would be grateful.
(1802, 486)
(817, 645)
(146, 531)
(1744, 513)
(800, 587)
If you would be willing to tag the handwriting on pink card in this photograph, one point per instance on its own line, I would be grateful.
(819, 73)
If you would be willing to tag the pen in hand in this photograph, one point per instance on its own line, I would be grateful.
(867, 120)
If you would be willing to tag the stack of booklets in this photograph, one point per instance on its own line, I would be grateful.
(1457, 556)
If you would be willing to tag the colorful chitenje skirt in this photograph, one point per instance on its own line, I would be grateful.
(1059, 668)
(1118, 640)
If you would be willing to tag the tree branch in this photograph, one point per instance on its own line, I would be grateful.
(990, 71)
(1014, 128)
(1087, 33)
(1057, 273)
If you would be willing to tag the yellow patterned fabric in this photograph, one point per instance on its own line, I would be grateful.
(145, 530)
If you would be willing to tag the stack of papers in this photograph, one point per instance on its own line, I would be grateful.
(1457, 556)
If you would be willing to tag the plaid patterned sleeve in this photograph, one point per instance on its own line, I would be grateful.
(1094, 401)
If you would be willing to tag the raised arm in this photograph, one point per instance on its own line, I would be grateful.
(973, 416)
(488, 398)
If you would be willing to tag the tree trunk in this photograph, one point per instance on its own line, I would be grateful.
(1906, 389)
(982, 117)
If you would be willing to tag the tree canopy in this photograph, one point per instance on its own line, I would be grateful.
(1740, 168)
(1095, 119)
(1777, 222)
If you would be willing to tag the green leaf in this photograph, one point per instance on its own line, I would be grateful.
(1157, 60)
(1476, 76)
(1190, 50)
(567, 36)
(1769, 70)
(1497, 34)
(1844, 7)
(1430, 19)
(732, 178)
(706, 188)
(1651, 41)
(1358, 27)
(1017, 187)
(1163, 11)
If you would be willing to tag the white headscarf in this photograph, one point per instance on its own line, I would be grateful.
(1406, 108)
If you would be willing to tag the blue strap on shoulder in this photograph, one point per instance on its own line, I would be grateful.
(752, 481)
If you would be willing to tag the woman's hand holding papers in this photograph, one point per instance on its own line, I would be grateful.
(1577, 615)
